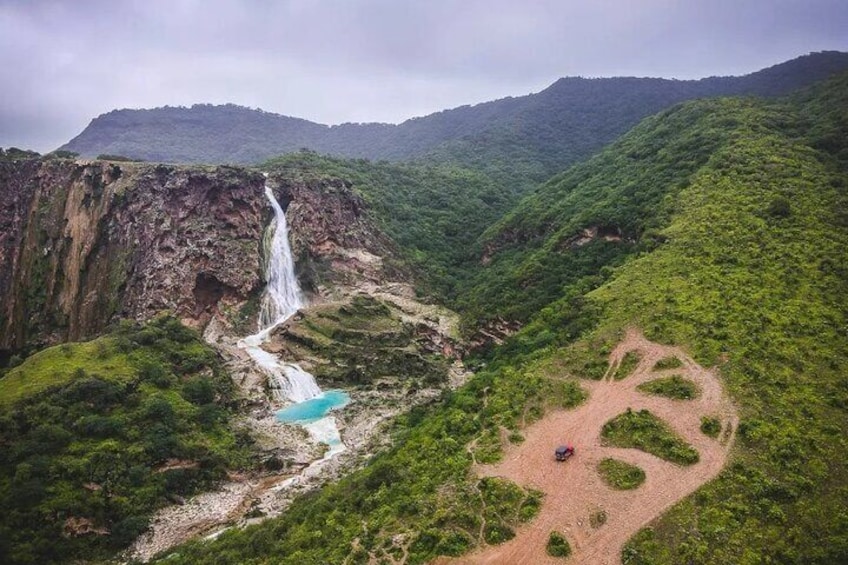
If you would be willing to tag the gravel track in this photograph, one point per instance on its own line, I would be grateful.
(574, 490)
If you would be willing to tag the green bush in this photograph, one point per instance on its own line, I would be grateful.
(199, 390)
(557, 545)
(674, 387)
(495, 534)
(668, 363)
(642, 430)
(628, 364)
(710, 426)
(620, 475)
(779, 208)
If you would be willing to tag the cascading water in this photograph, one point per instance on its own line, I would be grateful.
(282, 299)
(282, 296)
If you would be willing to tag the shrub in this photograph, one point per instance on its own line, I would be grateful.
(199, 390)
(674, 387)
(710, 426)
(628, 364)
(557, 545)
(497, 533)
(779, 208)
(155, 372)
(620, 475)
(671, 362)
(642, 430)
(598, 518)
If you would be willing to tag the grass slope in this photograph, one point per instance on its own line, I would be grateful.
(59, 365)
(750, 276)
(598, 213)
(764, 295)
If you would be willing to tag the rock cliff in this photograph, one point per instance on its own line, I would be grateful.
(85, 243)
(334, 240)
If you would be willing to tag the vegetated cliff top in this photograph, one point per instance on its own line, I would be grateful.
(534, 135)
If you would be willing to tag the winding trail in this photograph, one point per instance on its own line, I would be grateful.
(574, 491)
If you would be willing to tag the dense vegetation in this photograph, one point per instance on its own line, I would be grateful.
(97, 435)
(761, 290)
(620, 475)
(557, 545)
(768, 292)
(598, 213)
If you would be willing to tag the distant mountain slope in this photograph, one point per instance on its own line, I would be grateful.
(525, 138)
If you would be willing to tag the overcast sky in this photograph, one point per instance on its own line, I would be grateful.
(62, 63)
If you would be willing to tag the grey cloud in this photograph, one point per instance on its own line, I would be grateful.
(64, 62)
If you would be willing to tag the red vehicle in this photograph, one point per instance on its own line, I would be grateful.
(563, 452)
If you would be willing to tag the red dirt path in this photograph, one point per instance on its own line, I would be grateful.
(574, 490)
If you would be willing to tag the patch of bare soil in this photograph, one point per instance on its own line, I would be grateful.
(574, 491)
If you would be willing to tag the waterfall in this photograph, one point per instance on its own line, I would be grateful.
(282, 298)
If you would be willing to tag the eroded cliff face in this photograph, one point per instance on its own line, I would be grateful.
(83, 244)
(335, 242)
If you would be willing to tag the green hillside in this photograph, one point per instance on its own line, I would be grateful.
(728, 225)
(95, 436)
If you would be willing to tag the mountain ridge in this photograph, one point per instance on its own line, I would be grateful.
(543, 132)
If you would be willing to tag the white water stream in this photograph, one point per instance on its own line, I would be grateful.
(281, 300)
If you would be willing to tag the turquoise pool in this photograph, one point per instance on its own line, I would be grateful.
(313, 409)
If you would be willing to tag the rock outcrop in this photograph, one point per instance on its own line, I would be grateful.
(334, 241)
(85, 243)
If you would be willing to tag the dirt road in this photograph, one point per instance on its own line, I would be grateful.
(574, 491)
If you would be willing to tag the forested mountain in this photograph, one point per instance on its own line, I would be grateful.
(518, 140)
(719, 225)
